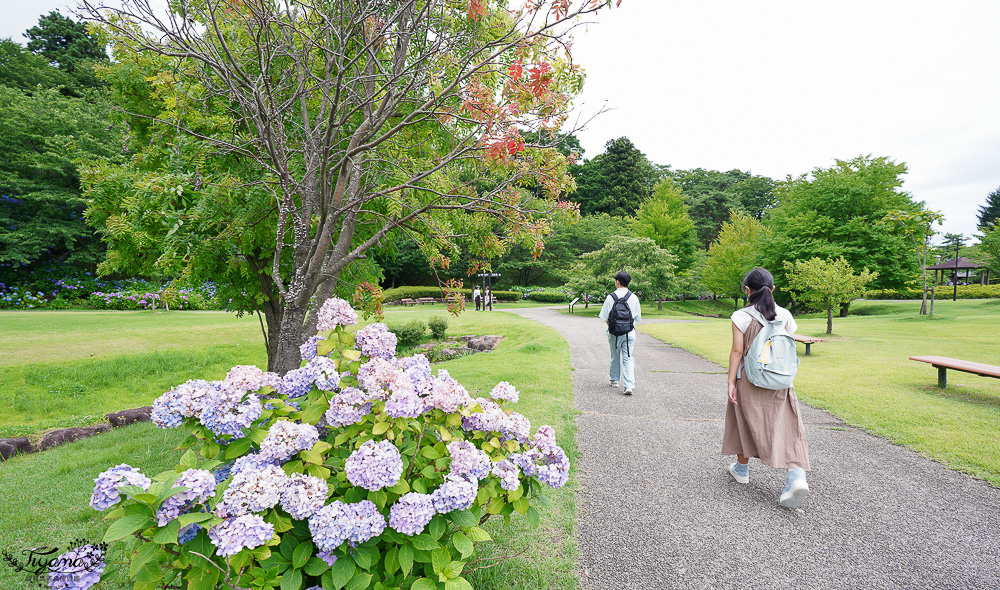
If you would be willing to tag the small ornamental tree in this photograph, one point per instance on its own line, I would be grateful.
(733, 254)
(358, 470)
(651, 269)
(918, 227)
(827, 284)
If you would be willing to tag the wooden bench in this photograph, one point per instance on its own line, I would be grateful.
(808, 341)
(407, 302)
(944, 363)
(423, 300)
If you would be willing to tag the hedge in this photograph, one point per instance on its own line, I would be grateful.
(547, 297)
(942, 292)
(393, 295)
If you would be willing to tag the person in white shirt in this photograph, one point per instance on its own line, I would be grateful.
(623, 344)
(763, 423)
(477, 297)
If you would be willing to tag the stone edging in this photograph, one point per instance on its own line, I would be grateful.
(10, 447)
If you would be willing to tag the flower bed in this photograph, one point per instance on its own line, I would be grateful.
(359, 469)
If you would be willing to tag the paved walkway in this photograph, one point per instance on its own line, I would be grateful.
(657, 508)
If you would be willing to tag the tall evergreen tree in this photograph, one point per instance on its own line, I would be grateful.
(616, 182)
(67, 45)
(990, 212)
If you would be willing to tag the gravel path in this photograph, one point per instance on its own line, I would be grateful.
(657, 508)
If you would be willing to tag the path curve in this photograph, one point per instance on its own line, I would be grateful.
(657, 508)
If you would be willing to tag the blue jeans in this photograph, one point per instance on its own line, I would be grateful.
(622, 351)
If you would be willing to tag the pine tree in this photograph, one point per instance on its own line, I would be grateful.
(990, 212)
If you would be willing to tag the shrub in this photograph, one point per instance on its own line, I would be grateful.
(942, 292)
(389, 493)
(409, 334)
(393, 295)
(438, 326)
(547, 297)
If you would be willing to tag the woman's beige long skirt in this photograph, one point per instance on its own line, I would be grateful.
(765, 423)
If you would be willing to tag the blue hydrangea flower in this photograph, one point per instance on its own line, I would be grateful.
(298, 382)
(329, 558)
(404, 401)
(106, 485)
(304, 496)
(324, 373)
(253, 491)
(308, 349)
(411, 513)
(347, 407)
(554, 470)
(335, 312)
(456, 493)
(224, 416)
(338, 522)
(243, 532)
(417, 368)
(201, 487)
(375, 465)
(508, 474)
(188, 533)
(187, 400)
(250, 462)
(468, 461)
(77, 569)
(375, 340)
(285, 438)
(505, 391)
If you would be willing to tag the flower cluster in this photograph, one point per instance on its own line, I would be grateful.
(468, 461)
(376, 341)
(456, 493)
(375, 465)
(446, 394)
(335, 523)
(335, 312)
(225, 414)
(201, 487)
(253, 490)
(243, 532)
(508, 474)
(411, 513)
(304, 496)
(505, 391)
(187, 400)
(246, 378)
(377, 375)
(324, 373)
(77, 569)
(308, 348)
(285, 438)
(493, 419)
(106, 486)
(347, 407)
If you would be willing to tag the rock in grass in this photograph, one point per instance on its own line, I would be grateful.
(14, 446)
(65, 435)
(485, 343)
(126, 417)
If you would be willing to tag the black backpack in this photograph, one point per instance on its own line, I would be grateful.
(620, 320)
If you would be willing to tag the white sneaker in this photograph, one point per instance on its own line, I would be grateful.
(628, 391)
(796, 492)
(614, 384)
(744, 479)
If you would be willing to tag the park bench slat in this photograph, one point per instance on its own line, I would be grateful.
(960, 365)
(808, 341)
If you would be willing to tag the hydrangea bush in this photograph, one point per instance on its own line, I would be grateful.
(357, 470)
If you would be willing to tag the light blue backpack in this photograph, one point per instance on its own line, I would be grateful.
(771, 362)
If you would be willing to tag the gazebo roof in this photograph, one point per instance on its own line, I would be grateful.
(962, 263)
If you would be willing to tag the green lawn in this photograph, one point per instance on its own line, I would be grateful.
(44, 497)
(862, 374)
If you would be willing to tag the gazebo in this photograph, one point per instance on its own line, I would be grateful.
(956, 264)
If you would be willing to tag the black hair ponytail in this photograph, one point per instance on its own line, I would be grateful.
(761, 282)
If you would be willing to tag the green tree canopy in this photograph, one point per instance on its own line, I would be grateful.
(652, 269)
(736, 251)
(838, 212)
(616, 182)
(918, 227)
(25, 71)
(989, 212)
(664, 219)
(66, 44)
(826, 283)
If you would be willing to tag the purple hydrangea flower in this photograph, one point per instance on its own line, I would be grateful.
(225, 416)
(454, 494)
(347, 407)
(250, 462)
(308, 348)
(243, 532)
(201, 487)
(77, 569)
(490, 419)
(375, 340)
(335, 523)
(188, 533)
(404, 401)
(527, 461)
(375, 465)
(335, 312)
(446, 394)
(304, 496)
(324, 373)
(253, 491)
(554, 470)
(545, 437)
(285, 438)
(508, 474)
(246, 378)
(106, 486)
(468, 461)
(328, 557)
(377, 375)
(297, 382)
(504, 390)
(187, 400)
(417, 368)
(411, 513)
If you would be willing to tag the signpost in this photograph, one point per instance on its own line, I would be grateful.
(572, 303)
(488, 276)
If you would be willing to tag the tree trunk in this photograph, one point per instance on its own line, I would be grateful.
(923, 302)
(659, 305)
(736, 303)
(289, 337)
(829, 319)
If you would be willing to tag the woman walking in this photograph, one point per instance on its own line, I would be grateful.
(763, 423)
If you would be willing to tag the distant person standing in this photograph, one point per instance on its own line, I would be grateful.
(477, 296)
(621, 311)
(763, 423)
(489, 299)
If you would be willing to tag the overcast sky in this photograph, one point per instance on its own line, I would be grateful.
(779, 87)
